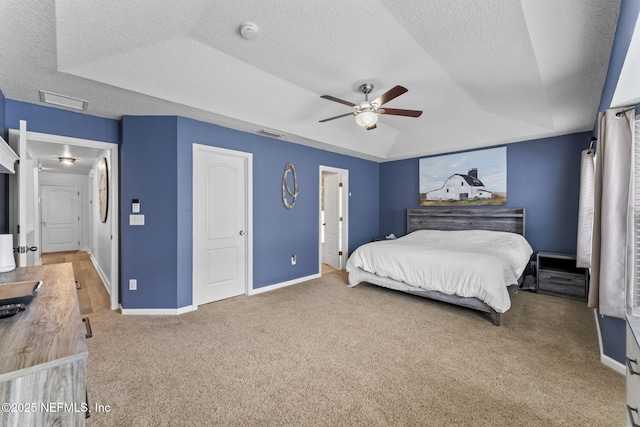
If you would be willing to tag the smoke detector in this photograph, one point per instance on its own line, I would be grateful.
(249, 30)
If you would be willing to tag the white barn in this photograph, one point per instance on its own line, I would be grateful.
(461, 187)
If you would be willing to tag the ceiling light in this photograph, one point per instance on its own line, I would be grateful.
(366, 118)
(63, 101)
(66, 160)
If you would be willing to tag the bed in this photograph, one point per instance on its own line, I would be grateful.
(473, 258)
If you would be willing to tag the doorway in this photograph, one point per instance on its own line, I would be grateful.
(334, 218)
(222, 224)
(40, 158)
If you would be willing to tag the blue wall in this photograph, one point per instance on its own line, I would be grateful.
(164, 187)
(148, 171)
(543, 176)
(614, 341)
(56, 121)
(156, 167)
(53, 121)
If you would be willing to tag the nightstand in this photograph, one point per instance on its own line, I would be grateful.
(558, 275)
(379, 239)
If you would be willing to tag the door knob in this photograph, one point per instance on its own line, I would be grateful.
(242, 232)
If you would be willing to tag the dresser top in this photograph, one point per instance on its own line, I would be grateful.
(634, 325)
(50, 331)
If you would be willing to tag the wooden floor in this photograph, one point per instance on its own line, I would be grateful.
(93, 295)
(326, 269)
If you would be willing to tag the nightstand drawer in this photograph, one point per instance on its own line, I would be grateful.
(562, 283)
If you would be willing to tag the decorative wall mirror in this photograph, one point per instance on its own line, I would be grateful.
(103, 189)
(286, 190)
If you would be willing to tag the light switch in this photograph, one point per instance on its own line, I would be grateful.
(136, 219)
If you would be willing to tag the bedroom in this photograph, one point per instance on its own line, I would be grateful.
(158, 255)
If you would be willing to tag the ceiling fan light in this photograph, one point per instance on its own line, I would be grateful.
(367, 119)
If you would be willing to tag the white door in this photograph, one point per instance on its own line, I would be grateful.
(332, 221)
(21, 211)
(60, 218)
(220, 224)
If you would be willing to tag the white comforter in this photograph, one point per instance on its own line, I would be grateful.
(471, 263)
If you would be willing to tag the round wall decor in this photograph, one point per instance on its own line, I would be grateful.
(285, 186)
(103, 189)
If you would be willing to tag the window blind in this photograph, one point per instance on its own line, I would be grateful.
(636, 217)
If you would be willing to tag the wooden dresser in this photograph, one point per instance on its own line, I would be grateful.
(633, 370)
(43, 353)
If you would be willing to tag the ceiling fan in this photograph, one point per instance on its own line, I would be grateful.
(366, 112)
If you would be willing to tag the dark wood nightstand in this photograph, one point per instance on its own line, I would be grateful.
(558, 275)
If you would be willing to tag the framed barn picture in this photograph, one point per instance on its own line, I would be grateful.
(471, 178)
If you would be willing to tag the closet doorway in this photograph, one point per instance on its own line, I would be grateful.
(334, 218)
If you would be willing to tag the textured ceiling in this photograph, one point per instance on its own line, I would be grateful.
(484, 73)
(627, 90)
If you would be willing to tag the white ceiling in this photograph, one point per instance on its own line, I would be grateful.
(48, 154)
(627, 90)
(484, 73)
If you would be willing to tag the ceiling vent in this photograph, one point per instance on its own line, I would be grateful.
(63, 101)
(272, 133)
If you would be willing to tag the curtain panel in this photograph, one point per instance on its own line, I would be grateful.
(612, 245)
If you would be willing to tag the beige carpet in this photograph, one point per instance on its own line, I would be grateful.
(320, 353)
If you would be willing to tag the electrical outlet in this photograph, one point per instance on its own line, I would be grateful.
(294, 259)
(133, 284)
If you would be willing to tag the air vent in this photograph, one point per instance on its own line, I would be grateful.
(272, 133)
(63, 101)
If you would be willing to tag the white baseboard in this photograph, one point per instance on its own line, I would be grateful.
(181, 310)
(186, 309)
(156, 311)
(613, 364)
(283, 284)
(105, 280)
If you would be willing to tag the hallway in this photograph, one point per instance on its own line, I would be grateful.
(92, 295)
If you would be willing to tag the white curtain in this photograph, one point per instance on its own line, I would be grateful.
(612, 246)
(585, 208)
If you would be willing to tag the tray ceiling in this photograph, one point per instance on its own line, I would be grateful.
(484, 73)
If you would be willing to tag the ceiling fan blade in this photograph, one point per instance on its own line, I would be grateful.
(399, 112)
(333, 98)
(336, 117)
(371, 127)
(390, 94)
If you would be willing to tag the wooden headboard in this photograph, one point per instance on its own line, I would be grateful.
(496, 219)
